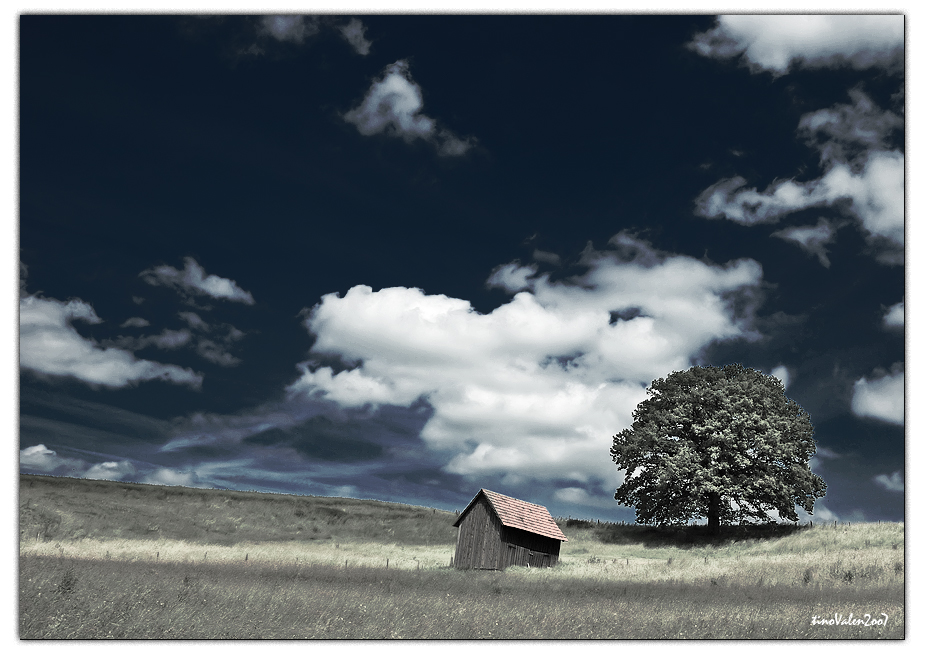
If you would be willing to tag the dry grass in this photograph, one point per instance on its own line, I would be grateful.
(91, 581)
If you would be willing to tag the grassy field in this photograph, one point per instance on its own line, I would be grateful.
(105, 560)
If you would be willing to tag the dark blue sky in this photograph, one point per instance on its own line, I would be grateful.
(406, 257)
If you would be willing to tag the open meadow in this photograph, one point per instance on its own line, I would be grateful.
(109, 560)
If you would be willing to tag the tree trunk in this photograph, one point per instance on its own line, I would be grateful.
(713, 513)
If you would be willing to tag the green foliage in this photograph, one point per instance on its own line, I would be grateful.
(723, 444)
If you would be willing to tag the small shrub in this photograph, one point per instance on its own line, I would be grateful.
(807, 576)
(68, 582)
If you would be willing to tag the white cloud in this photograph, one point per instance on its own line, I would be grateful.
(393, 105)
(110, 471)
(288, 27)
(862, 177)
(135, 321)
(876, 196)
(172, 478)
(355, 34)
(49, 345)
(193, 280)
(896, 315)
(782, 374)
(41, 458)
(882, 398)
(893, 482)
(537, 388)
(776, 42)
(811, 238)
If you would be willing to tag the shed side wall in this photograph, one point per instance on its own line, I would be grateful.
(526, 548)
(478, 544)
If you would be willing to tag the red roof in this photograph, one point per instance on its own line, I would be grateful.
(519, 514)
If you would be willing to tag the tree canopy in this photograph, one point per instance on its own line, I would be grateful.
(723, 444)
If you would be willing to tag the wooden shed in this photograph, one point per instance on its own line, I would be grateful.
(497, 531)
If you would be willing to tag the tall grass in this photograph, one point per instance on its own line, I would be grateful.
(63, 598)
(236, 565)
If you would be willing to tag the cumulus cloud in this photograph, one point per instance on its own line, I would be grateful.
(811, 238)
(49, 345)
(393, 106)
(892, 482)
(778, 43)
(882, 397)
(354, 33)
(861, 178)
(110, 471)
(536, 388)
(42, 459)
(194, 281)
(895, 316)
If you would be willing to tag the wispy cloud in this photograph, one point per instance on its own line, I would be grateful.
(547, 257)
(811, 238)
(779, 43)
(193, 280)
(870, 186)
(393, 106)
(213, 350)
(50, 345)
(135, 321)
(892, 482)
(847, 132)
(194, 321)
(291, 28)
(354, 33)
(166, 340)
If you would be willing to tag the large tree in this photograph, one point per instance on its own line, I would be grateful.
(723, 444)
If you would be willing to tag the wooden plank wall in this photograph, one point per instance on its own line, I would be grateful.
(478, 544)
